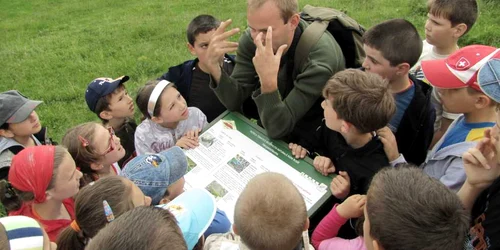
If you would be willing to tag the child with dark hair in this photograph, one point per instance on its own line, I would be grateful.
(406, 209)
(392, 48)
(168, 121)
(109, 100)
(447, 21)
(191, 77)
(120, 194)
(42, 183)
(20, 127)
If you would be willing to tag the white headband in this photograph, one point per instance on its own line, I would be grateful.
(153, 98)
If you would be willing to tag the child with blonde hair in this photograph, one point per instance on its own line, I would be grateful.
(168, 120)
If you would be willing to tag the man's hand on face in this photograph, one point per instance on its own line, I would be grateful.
(218, 46)
(267, 63)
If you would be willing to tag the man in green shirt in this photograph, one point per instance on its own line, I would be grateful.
(288, 102)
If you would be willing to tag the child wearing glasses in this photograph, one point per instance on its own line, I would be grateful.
(168, 121)
(109, 100)
(95, 149)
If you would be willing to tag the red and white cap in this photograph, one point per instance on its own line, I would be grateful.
(459, 70)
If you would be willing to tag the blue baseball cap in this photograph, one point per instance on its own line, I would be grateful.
(489, 79)
(194, 210)
(101, 87)
(154, 173)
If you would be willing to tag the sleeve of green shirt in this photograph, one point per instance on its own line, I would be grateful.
(280, 116)
(233, 90)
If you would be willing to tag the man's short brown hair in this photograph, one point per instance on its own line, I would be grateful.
(287, 7)
(361, 98)
(408, 209)
(457, 11)
(270, 213)
(397, 40)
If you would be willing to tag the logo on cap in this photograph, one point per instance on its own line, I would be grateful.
(153, 160)
(462, 63)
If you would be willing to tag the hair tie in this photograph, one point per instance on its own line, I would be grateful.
(108, 212)
(153, 98)
(75, 227)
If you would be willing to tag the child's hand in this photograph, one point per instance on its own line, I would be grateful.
(193, 134)
(323, 165)
(390, 145)
(298, 151)
(187, 143)
(481, 162)
(341, 185)
(352, 207)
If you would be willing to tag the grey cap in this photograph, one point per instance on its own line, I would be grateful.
(154, 173)
(14, 107)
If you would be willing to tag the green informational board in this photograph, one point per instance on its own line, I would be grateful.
(279, 149)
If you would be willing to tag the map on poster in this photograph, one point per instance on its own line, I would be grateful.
(228, 158)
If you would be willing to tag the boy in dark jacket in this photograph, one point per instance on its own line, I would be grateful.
(392, 48)
(190, 77)
(356, 104)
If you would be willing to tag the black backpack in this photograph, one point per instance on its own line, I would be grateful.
(347, 32)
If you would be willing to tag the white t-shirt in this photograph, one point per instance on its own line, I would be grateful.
(153, 138)
(429, 53)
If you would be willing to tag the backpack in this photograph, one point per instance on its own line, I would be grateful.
(345, 30)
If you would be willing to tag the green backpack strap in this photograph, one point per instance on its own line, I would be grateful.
(308, 39)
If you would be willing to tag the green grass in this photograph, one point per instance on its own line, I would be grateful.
(51, 50)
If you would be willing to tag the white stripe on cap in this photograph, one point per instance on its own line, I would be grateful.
(153, 98)
(33, 242)
(466, 75)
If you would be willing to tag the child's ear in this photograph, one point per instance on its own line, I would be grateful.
(482, 101)
(306, 225)
(235, 230)
(157, 120)
(106, 115)
(402, 69)
(345, 127)
(191, 49)
(96, 166)
(460, 30)
(6, 133)
(48, 195)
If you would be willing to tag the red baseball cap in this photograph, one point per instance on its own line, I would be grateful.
(459, 70)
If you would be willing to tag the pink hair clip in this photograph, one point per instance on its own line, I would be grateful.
(84, 141)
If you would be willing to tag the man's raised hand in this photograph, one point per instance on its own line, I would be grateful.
(218, 46)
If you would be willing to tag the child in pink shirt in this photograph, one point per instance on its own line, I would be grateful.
(325, 234)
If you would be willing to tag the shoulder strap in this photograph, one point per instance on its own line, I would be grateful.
(308, 39)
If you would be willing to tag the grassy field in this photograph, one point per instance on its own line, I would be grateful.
(51, 50)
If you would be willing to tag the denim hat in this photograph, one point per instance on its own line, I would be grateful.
(101, 87)
(459, 70)
(489, 79)
(194, 210)
(154, 173)
(23, 232)
(14, 107)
